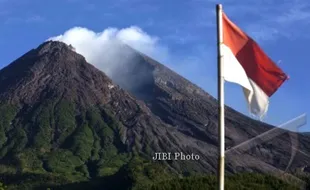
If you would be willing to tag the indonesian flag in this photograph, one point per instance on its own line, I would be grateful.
(245, 63)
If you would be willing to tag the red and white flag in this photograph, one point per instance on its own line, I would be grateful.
(245, 63)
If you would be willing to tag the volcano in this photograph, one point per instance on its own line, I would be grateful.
(62, 117)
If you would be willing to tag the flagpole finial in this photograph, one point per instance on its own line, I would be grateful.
(219, 6)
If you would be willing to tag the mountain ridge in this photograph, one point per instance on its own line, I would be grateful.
(59, 108)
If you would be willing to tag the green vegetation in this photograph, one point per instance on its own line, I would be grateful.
(59, 146)
(8, 113)
(62, 162)
(247, 181)
(2, 186)
(58, 143)
(82, 142)
(64, 120)
(40, 126)
(29, 161)
(142, 175)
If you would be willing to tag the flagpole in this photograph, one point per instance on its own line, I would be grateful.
(221, 124)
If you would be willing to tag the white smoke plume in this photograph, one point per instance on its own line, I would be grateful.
(103, 49)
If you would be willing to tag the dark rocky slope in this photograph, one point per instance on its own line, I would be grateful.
(63, 116)
(193, 112)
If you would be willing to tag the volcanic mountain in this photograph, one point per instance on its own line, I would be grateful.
(60, 115)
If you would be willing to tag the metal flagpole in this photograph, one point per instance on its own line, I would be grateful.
(221, 124)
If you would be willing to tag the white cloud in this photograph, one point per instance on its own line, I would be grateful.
(105, 51)
(94, 46)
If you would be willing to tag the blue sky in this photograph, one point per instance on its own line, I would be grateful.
(186, 30)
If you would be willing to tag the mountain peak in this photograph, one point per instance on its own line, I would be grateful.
(66, 106)
(54, 46)
(52, 69)
(58, 50)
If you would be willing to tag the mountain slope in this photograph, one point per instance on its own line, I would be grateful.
(65, 118)
(193, 112)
